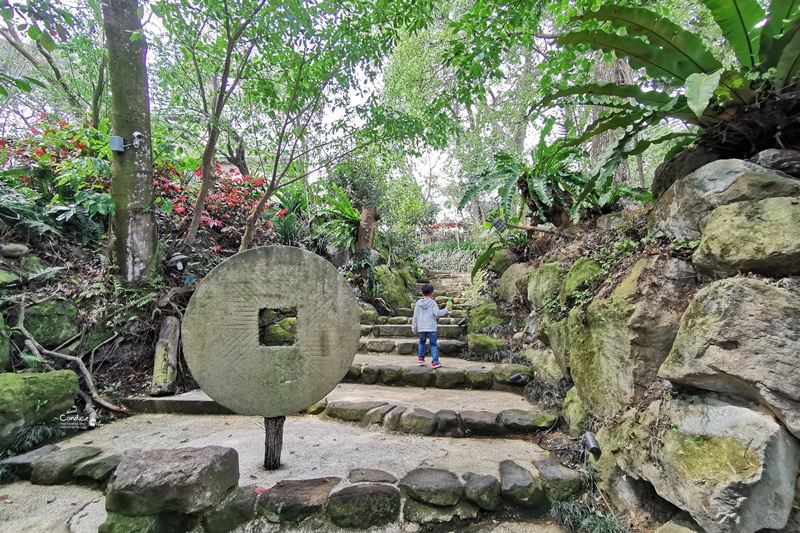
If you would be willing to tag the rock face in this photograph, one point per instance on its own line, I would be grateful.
(520, 487)
(573, 412)
(544, 284)
(583, 272)
(483, 317)
(185, 480)
(732, 469)
(683, 211)
(483, 344)
(58, 467)
(616, 352)
(393, 288)
(759, 236)
(30, 399)
(741, 336)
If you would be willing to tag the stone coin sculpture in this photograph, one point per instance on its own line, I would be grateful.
(223, 338)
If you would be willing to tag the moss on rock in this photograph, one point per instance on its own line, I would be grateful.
(484, 317)
(583, 272)
(544, 284)
(573, 412)
(52, 323)
(31, 399)
(481, 344)
(499, 262)
(392, 288)
(511, 282)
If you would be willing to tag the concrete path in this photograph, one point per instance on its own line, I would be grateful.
(312, 448)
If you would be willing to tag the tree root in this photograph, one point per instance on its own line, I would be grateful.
(38, 350)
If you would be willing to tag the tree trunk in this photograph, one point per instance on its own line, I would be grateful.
(619, 72)
(252, 219)
(273, 442)
(133, 234)
(364, 239)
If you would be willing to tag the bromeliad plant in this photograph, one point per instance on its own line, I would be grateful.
(739, 110)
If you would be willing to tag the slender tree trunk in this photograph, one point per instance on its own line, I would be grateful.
(273, 442)
(252, 219)
(133, 235)
(366, 229)
(619, 72)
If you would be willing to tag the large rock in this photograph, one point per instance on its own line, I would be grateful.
(483, 491)
(519, 421)
(351, 410)
(417, 421)
(545, 364)
(679, 166)
(521, 488)
(482, 344)
(13, 250)
(508, 287)
(741, 336)
(237, 509)
(58, 467)
(482, 423)
(760, 236)
(22, 465)
(364, 506)
(683, 211)
(392, 288)
(581, 276)
(617, 346)
(732, 469)
(483, 317)
(449, 378)
(31, 399)
(293, 501)
(52, 323)
(8, 278)
(787, 161)
(573, 413)
(433, 486)
(478, 377)
(184, 480)
(561, 483)
(544, 284)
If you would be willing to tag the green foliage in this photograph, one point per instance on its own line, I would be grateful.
(449, 260)
(29, 437)
(341, 229)
(676, 58)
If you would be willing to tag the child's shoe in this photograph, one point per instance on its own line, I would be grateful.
(421, 361)
(437, 364)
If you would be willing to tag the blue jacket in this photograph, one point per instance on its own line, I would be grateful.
(425, 314)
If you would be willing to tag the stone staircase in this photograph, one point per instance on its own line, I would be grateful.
(392, 335)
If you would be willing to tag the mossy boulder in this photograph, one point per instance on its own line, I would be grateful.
(544, 363)
(683, 211)
(617, 344)
(508, 287)
(482, 344)
(499, 262)
(735, 339)
(573, 413)
(581, 276)
(274, 335)
(406, 276)
(30, 265)
(483, 317)
(392, 288)
(52, 323)
(289, 324)
(31, 399)
(544, 284)
(368, 313)
(557, 335)
(762, 237)
(731, 468)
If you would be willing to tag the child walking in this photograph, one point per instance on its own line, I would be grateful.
(424, 322)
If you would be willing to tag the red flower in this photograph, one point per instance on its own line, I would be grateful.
(215, 249)
(198, 171)
(179, 210)
(246, 177)
(35, 131)
(80, 146)
(258, 182)
(282, 212)
(39, 151)
(63, 123)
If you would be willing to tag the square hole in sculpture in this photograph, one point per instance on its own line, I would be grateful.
(277, 327)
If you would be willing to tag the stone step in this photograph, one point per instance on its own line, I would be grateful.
(441, 300)
(450, 331)
(408, 345)
(434, 412)
(404, 371)
(366, 329)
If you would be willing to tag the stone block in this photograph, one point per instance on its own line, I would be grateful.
(183, 480)
(502, 373)
(483, 491)
(417, 421)
(370, 374)
(364, 506)
(352, 411)
(418, 376)
(478, 377)
(294, 501)
(405, 347)
(392, 419)
(482, 423)
(448, 423)
(519, 421)
(376, 414)
(237, 509)
(380, 345)
(58, 467)
(22, 464)
(433, 486)
(391, 375)
(449, 378)
(560, 483)
(370, 475)
(519, 487)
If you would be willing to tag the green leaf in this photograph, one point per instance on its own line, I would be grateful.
(8, 13)
(483, 259)
(662, 63)
(787, 67)
(659, 31)
(23, 85)
(782, 15)
(47, 42)
(700, 89)
(738, 20)
(34, 33)
(653, 98)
